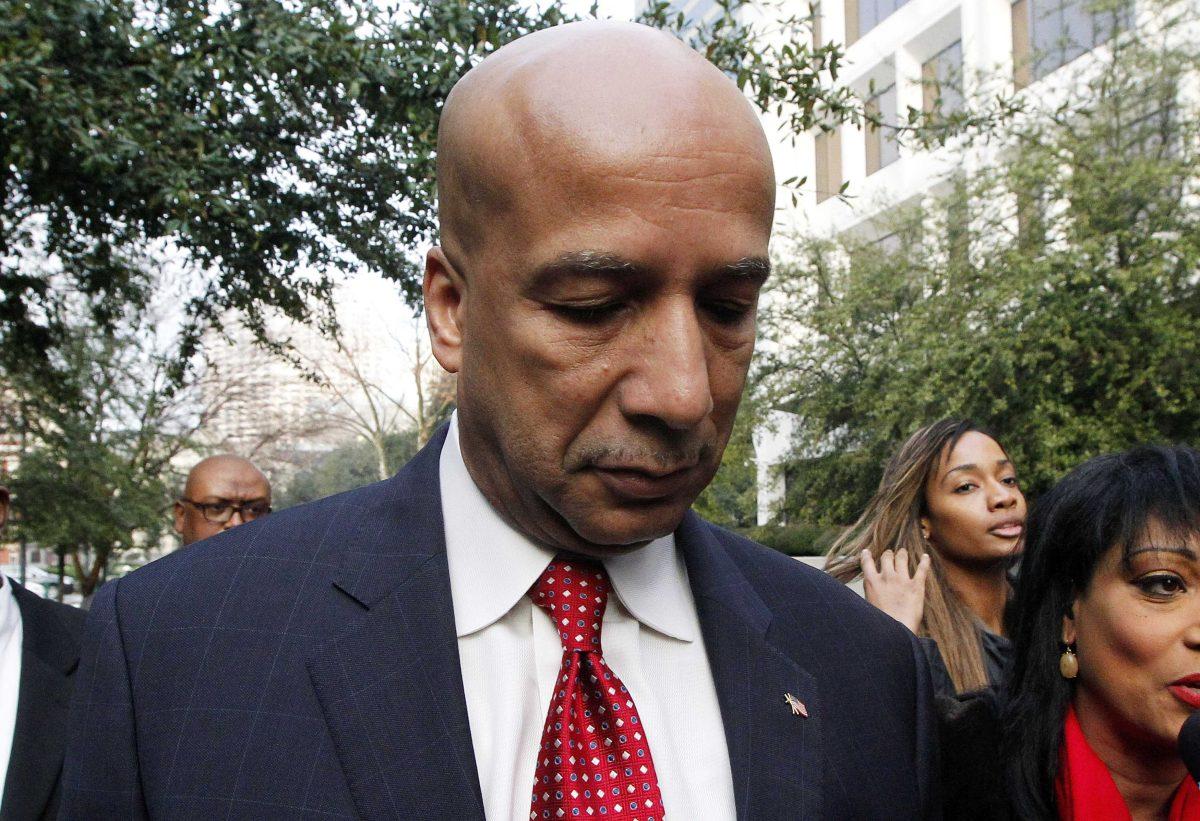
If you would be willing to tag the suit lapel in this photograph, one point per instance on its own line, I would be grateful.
(391, 687)
(774, 755)
(49, 655)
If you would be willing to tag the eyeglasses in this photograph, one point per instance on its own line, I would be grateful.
(218, 513)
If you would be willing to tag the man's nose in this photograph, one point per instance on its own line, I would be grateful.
(235, 519)
(668, 377)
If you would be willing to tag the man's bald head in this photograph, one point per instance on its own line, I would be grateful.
(606, 201)
(216, 486)
(549, 110)
(225, 470)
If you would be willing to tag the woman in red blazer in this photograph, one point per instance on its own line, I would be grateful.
(1106, 653)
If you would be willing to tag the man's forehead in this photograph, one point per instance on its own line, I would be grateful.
(555, 134)
(546, 118)
(223, 488)
(227, 480)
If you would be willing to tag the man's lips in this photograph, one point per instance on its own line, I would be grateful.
(642, 483)
(1187, 690)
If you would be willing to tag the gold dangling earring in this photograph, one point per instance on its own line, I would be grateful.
(1068, 663)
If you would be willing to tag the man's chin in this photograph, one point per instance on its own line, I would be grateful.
(621, 532)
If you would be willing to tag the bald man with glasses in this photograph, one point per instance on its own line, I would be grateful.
(221, 492)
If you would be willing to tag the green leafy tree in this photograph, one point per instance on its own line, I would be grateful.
(1054, 296)
(731, 500)
(267, 144)
(352, 465)
(97, 475)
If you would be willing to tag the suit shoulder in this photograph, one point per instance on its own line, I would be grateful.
(760, 561)
(792, 589)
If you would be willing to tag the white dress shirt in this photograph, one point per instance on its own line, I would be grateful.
(510, 654)
(11, 636)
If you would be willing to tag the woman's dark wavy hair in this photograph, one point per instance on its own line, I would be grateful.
(1109, 501)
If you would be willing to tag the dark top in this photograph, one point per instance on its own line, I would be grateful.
(969, 729)
(997, 659)
(51, 634)
(972, 766)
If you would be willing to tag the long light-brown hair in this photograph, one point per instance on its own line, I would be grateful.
(892, 520)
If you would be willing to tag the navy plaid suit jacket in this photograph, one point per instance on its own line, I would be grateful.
(305, 666)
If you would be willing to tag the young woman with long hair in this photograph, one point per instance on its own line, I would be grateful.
(935, 543)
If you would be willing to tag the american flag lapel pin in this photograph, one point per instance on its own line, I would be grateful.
(798, 708)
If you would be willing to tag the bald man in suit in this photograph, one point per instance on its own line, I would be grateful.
(527, 621)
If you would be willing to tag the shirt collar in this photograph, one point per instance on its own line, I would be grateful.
(492, 566)
(652, 583)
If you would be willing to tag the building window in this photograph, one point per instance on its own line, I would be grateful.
(829, 164)
(941, 80)
(1048, 34)
(882, 146)
(864, 15)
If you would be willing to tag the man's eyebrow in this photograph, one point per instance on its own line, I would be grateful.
(596, 264)
(756, 269)
(604, 265)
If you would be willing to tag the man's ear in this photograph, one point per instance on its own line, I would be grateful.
(179, 518)
(445, 291)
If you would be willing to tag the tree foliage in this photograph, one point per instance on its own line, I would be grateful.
(731, 500)
(96, 475)
(349, 466)
(272, 145)
(1053, 295)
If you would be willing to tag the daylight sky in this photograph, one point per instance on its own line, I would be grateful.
(616, 9)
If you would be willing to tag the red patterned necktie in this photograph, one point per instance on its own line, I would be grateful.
(594, 759)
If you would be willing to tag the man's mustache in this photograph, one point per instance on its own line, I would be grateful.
(662, 457)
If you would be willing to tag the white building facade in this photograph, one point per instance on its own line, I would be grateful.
(926, 56)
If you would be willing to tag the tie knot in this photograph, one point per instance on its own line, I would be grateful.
(574, 593)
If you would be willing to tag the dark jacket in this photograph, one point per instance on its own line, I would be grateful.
(49, 655)
(305, 665)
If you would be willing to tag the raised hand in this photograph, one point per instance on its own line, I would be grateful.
(889, 586)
